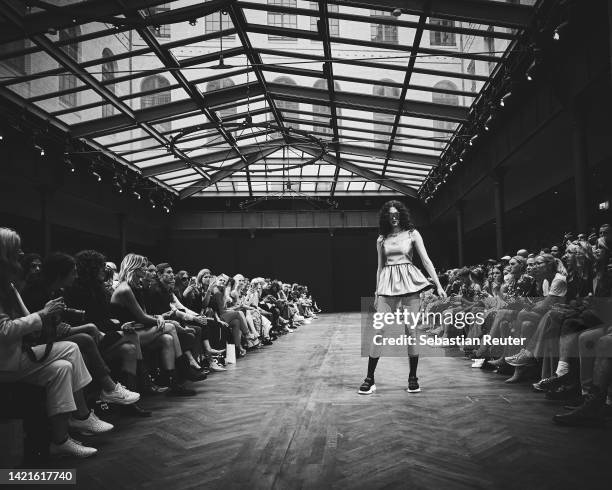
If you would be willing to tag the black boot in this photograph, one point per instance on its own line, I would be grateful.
(589, 414)
(187, 371)
(130, 381)
(176, 388)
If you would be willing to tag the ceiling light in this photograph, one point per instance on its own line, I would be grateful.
(487, 125)
(136, 194)
(396, 12)
(117, 185)
(96, 176)
(68, 163)
(504, 100)
(473, 139)
(193, 22)
(40, 149)
(561, 28)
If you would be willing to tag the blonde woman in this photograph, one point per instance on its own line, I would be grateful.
(62, 372)
(260, 321)
(153, 331)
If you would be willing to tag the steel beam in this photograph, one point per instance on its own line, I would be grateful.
(224, 173)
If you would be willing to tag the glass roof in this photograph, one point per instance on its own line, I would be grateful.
(132, 82)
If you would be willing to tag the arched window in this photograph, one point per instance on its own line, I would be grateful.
(288, 106)
(448, 99)
(155, 84)
(68, 81)
(442, 37)
(109, 68)
(223, 113)
(384, 122)
(322, 113)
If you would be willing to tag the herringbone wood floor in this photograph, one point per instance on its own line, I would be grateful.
(288, 416)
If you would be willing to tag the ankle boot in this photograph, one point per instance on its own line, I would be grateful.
(590, 413)
(187, 371)
(130, 381)
(176, 388)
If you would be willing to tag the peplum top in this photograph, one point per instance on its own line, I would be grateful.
(399, 276)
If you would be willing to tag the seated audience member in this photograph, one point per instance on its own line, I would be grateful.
(58, 368)
(594, 408)
(111, 276)
(58, 274)
(31, 265)
(161, 300)
(119, 348)
(181, 281)
(128, 305)
(236, 323)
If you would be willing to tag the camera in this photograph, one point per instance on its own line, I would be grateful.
(74, 317)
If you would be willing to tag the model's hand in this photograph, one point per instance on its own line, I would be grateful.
(441, 292)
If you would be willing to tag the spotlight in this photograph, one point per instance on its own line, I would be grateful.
(96, 176)
(68, 163)
(1, 135)
(487, 125)
(473, 139)
(40, 150)
(561, 28)
(167, 209)
(530, 75)
(452, 166)
(152, 202)
(193, 22)
(396, 12)
(117, 185)
(504, 100)
(136, 194)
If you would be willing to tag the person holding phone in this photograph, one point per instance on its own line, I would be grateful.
(399, 282)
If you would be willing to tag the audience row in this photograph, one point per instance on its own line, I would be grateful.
(98, 334)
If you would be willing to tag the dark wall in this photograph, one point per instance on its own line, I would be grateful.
(338, 269)
(81, 213)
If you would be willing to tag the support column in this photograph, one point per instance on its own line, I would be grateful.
(498, 198)
(121, 221)
(460, 232)
(580, 167)
(45, 223)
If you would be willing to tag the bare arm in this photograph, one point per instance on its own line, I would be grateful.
(125, 296)
(427, 263)
(379, 253)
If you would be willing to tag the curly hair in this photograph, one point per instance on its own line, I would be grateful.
(384, 219)
(89, 263)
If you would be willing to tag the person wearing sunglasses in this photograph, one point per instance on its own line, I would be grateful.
(399, 282)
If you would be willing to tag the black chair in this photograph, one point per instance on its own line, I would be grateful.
(28, 403)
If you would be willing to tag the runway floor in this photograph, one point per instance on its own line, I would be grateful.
(288, 416)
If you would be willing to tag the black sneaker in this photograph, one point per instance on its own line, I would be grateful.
(180, 390)
(413, 385)
(367, 387)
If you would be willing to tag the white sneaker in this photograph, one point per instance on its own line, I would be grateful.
(120, 395)
(215, 366)
(71, 448)
(90, 426)
(478, 363)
